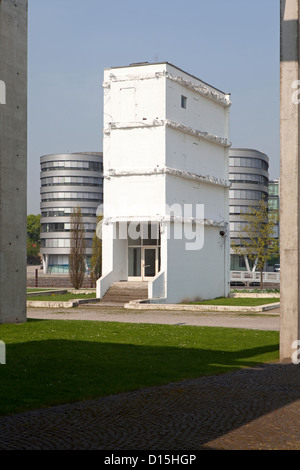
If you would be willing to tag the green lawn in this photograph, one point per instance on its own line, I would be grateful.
(238, 301)
(51, 362)
(62, 297)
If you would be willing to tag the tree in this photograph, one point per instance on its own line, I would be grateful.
(77, 258)
(96, 259)
(33, 238)
(33, 252)
(34, 227)
(256, 236)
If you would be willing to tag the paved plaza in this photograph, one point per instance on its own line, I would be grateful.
(252, 409)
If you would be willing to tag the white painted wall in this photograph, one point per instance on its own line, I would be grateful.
(194, 275)
(201, 113)
(136, 149)
(157, 154)
(195, 155)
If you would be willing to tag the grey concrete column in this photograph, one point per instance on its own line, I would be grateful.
(13, 160)
(289, 179)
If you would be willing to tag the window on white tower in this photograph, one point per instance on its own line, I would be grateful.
(183, 102)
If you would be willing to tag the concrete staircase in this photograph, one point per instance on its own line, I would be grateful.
(122, 292)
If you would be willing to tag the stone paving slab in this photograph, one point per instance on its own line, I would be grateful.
(250, 409)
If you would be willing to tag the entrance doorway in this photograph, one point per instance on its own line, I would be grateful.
(150, 262)
(144, 254)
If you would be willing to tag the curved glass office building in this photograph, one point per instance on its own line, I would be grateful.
(68, 181)
(249, 177)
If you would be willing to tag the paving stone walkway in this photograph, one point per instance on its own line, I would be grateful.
(249, 409)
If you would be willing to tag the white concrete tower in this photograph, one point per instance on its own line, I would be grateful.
(13, 160)
(166, 157)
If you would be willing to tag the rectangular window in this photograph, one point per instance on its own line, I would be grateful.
(273, 204)
(183, 102)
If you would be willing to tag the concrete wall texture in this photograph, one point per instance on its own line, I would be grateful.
(289, 179)
(13, 160)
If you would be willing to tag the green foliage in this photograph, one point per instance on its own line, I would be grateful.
(78, 251)
(33, 250)
(61, 297)
(96, 259)
(33, 238)
(34, 228)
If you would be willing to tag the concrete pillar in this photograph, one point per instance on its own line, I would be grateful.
(13, 160)
(45, 263)
(289, 179)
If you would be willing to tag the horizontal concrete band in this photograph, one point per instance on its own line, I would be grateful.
(201, 89)
(59, 304)
(139, 305)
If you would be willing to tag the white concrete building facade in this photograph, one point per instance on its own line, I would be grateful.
(166, 207)
(249, 178)
(68, 181)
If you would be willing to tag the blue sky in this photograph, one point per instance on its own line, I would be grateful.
(231, 44)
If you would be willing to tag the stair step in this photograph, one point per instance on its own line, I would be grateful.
(124, 291)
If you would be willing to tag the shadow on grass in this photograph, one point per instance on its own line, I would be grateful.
(50, 372)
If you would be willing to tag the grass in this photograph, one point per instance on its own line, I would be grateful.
(62, 297)
(239, 301)
(51, 362)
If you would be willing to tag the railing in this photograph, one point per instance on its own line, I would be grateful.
(104, 283)
(247, 277)
(59, 281)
